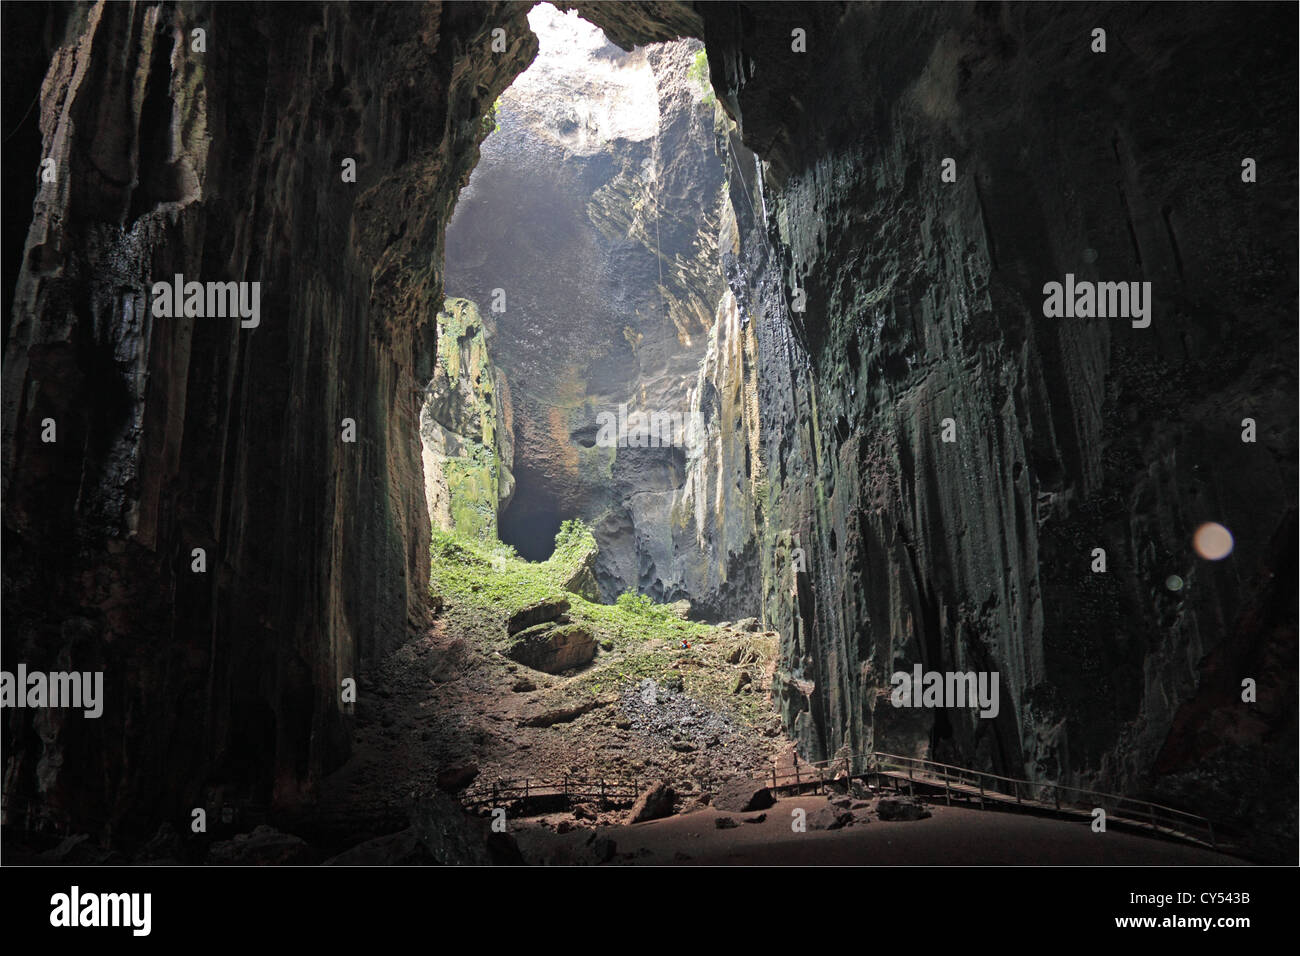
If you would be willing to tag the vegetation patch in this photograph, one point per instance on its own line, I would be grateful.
(482, 583)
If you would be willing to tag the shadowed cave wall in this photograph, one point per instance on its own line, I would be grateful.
(922, 302)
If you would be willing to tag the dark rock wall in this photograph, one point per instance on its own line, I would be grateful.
(182, 433)
(924, 302)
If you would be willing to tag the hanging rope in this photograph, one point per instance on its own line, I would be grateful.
(753, 207)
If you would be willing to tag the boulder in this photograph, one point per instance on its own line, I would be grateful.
(743, 794)
(653, 804)
(570, 849)
(563, 713)
(456, 777)
(725, 823)
(742, 654)
(395, 849)
(540, 613)
(553, 649)
(265, 846)
(900, 808)
(602, 849)
(582, 581)
(80, 849)
(453, 837)
(829, 818)
(166, 846)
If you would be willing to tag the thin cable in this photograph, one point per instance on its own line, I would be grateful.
(741, 173)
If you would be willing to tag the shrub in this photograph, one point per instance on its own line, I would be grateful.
(699, 73)
(446, 546)
(490, 121)
(634, 603)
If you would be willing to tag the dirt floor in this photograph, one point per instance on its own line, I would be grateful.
(449, 711)
(951, 836)
(443, 702)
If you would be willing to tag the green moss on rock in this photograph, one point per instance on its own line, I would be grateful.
(465, 427)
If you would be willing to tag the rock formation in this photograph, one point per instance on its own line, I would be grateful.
(922, 301)
(466, 427)
(187, 433)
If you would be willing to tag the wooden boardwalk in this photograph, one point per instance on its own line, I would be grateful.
(880, 771)
(982, 789)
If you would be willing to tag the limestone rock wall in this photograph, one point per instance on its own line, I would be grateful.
(924, 302)
(466, 427)
(176, 434)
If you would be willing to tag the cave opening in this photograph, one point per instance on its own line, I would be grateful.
(529, 524)
(589, 435)
(584, 286)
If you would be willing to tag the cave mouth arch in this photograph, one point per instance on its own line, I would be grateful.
(587, 240)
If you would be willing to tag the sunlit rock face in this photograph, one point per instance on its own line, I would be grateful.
(465, 428)
(595, 211)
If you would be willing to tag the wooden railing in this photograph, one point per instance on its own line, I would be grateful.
(568, 786)
(995, 788)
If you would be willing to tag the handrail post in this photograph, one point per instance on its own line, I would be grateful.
(947, 792)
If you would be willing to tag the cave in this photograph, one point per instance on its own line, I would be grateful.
(531, 529)
(609, 160)
(972, 325)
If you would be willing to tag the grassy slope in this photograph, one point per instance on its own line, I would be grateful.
(482, 584)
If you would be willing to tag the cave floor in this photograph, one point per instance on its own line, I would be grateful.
(953, 836)
(447, 699)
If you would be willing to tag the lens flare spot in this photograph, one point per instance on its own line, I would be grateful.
(1212, 541)
(1174, 582)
